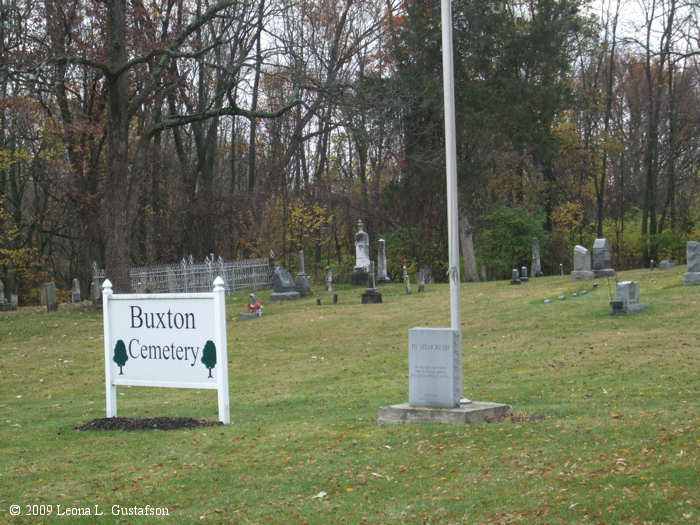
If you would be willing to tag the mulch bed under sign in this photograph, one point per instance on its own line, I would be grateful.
(156, 423)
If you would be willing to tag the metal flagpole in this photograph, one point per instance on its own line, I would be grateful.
(451, 168)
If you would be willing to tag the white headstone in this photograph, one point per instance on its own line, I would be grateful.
(75, 292)
(382, 275)
(435, 367)
(361, 249)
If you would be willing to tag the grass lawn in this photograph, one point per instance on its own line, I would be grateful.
(606, 426)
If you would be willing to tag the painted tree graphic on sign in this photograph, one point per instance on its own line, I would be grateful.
(120, 356)
(209, 356)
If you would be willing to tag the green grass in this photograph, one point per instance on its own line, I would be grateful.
(606, 426)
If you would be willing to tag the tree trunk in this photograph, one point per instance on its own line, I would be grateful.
(116, 223)
(466, 234)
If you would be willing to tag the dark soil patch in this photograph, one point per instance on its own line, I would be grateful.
(156, 423)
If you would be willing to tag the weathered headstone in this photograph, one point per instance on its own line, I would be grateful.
(96, 292)
(523, 274)
(75, 296)
(582, 264)
(329, 279)
(406, 280)
(4, 303)
(561, 269)
(435, 367)
(692, 274)
(14, 302)
(602, 258)
(371, 295)
(515, 278)
(536, 265)
(302, 284)
(421, 281)
(283, 285)
(360, 274)
(50, 292)
(171, 280)
(627, 298)
(382, 275)
(666, 264)
(427, 274)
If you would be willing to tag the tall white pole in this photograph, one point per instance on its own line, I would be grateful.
(451, 165)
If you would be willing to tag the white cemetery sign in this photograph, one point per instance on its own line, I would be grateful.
(166, 340)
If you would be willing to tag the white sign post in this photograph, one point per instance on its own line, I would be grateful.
(166, 340)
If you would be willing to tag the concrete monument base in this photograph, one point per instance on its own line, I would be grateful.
(284, 296)
(582, 275)
(371, 296)
(474, 412)
(605, 272)
(691, 278)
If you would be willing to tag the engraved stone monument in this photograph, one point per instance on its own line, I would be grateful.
(627, 298)
(515, 278)
(692, 274)
(283, 284)
(582, 264)
(302, 284)
(329, 279)
(75, 292)
(406, 280)
(371, 295)
(602, 259)
(434, 367)
(50, 293)
(360, 274)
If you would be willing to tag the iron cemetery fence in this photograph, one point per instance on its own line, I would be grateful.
(188, 277)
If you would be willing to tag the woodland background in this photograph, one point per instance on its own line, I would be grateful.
(138, 132)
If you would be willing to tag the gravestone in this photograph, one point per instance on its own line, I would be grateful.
(382, 275)
(50, 293)
(602, 258)
(435, 367)
(515, 279)
(582, 264)
(284, 286)
(523, 274)
(536, 265)
(302, 284)
(692, 274)
(75, 292)
(666, 264)
(371, 295)
(421, 281)
(171, 280)
(406, 280)
(427, 275)
(14, 302)
(329, 279)
(96, 292)
(4, 303)
(360, 274)
(626, 298)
